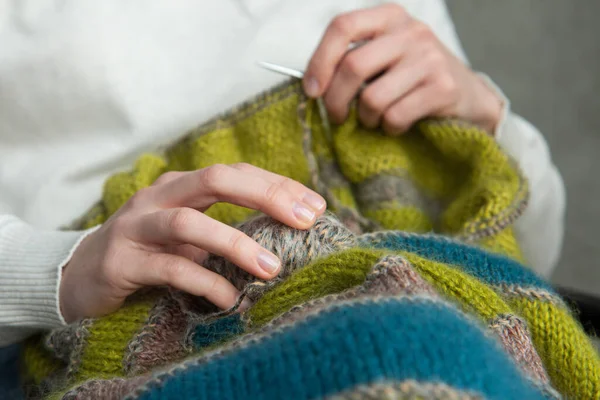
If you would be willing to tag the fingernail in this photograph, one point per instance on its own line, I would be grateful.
(314, 201)
(303, 213)
(268, 262)
(312, 87)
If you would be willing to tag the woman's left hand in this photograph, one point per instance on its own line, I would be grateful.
(407, 73)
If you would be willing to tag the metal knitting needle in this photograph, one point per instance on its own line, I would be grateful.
(297, 73)
(281, 69)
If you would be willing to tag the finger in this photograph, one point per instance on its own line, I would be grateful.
(183, 274)
(168, 177)
(310, 197)
(187, 226)
(379, 95)
(343, 30)
(188, 251)
(360, 65)
(221, 183)
(423, 101)
(316, 201)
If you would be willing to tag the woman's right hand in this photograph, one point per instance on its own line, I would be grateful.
(161, 236)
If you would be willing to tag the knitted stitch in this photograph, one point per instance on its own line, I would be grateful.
(410, 390)
(356, 311)
(157, 343)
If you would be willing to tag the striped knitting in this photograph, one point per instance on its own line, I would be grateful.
(370, 303)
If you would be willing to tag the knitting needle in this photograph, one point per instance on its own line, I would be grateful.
(281, 69)
(297, 73)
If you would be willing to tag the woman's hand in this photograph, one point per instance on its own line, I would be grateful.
(161, 236)
(415, 75)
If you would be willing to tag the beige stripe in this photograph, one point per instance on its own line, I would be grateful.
(386, 188)
(406, 390)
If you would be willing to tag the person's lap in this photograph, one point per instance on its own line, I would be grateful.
(9, 373)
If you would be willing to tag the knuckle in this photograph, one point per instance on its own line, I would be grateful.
(139, 198)
(392, 117)
(343, 24)
(237, 242)
(421, 31)
(166, 177)
(393, 121)
(371, 99)
(179, 219)
(353, 66)
(288, 183)
(273, 193)
(211, 176)
(447, 85)
(435, 59)
(171, 269)
(244, 167)
(216, 284)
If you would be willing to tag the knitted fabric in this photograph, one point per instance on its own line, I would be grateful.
(370, 303)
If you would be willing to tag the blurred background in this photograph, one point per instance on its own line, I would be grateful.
(545, 55)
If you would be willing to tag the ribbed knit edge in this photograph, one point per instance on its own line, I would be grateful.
(31, 263)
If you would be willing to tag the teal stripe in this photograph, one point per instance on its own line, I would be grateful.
(352, 344)
(490, 268)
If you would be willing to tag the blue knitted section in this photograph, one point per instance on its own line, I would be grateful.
(351, 344)
(209, 333)
(491, 268)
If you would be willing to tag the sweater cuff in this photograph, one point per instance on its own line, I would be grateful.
(501, 126)
(31, 263)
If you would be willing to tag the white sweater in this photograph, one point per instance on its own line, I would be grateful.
(86, 86)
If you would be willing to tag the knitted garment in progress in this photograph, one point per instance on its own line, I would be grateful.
(411, 286)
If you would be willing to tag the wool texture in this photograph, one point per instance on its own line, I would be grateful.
(411, 286)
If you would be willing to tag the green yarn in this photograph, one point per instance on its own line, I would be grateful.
(329, 275)
(108, 339)
(120, 187)
(572, 360)
(472, 295)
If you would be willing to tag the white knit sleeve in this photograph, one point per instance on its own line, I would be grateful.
(31, 261)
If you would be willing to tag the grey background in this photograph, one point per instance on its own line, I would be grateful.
(545, 55)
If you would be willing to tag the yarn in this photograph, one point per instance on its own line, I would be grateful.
(348, 280)
(295, 248)
(399, 342)
(350, 314)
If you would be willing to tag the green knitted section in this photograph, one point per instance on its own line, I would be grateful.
(409, 218)
(329, 275)
(37, 362)
(108, 339)
(504, 243)
(570, 358)
(123, 185)
(472, 295)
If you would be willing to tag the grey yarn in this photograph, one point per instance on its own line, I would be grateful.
(295, 248)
